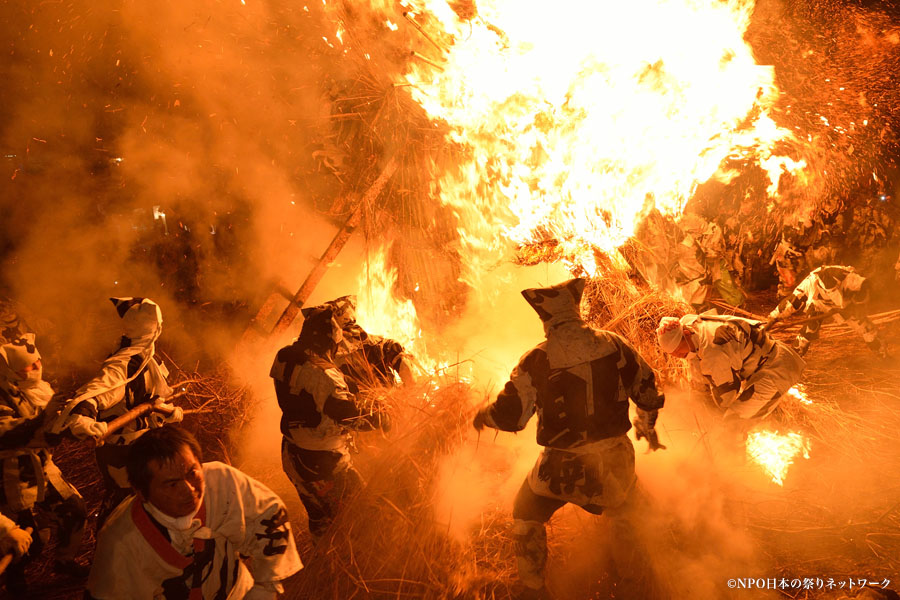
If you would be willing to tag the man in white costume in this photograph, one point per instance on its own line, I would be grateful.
(578, 382)
(746, 370)
(318, 415)
(129, 377)
(835, 293)
(33, 491)
(183, 534)
(366, 360)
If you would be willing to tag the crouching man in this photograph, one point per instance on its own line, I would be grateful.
(747, 371)
(184, 532)
(833, 293)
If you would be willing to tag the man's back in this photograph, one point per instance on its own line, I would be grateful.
(578, 403)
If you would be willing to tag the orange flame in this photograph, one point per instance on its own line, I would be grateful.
(798, 392)
(380, 312)
(775, 452)
(578, 115)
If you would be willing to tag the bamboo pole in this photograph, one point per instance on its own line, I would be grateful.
(137, 412)
(7, 558)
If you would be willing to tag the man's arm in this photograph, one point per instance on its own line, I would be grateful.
(516, 401)
(267, 538)
(638, 377)
(795, 302)
(15, 431)
(13, 539)
(342, 407)
(639, 381)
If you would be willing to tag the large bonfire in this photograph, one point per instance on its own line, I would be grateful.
(538, 133)
(574, 122)
(570, 123)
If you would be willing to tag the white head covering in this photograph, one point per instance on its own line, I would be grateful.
(853, 281)
(570, 341)
(669, 333)
(344, 310)
(15, 357)
(141, 319)
(557, 304)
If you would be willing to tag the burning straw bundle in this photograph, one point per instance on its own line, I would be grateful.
(615, 302)
(386, 543)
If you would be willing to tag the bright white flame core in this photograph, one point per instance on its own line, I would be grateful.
(799, 392)
(576, 113)
(776, 452)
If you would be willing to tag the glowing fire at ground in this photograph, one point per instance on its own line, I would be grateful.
(776, 452)
(579, 115)
(799, 393)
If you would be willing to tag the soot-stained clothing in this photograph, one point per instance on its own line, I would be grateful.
(577, 403)
(33, 491)
(838, 292)
(28, 467)
(582, 411)
(579, 383)
(139, 558)
(129, 377)
(318, 410)
(367, 360)
(318, 414)
(746, 370)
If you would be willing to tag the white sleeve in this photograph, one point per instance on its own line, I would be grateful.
(267, 538)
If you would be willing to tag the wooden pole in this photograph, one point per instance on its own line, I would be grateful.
(340, 239)
(136, 412)
(7, 558)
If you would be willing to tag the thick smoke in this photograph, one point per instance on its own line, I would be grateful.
(161, 150)
(178, 150)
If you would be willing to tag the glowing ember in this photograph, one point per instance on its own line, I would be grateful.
(775, 452)
(799, 392)
(579, 115)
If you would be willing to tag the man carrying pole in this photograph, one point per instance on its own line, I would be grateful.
(130, 376)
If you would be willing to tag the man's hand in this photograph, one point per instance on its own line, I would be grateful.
(770, 322)
(641, 432)
(384, 421)
(16, 541)
(173, 414)
(83, 427)
(480, 420)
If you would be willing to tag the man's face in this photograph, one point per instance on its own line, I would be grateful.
(176, 486)
(683, 348)
(31, 374)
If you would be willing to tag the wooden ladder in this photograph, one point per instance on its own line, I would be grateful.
(257, 328)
